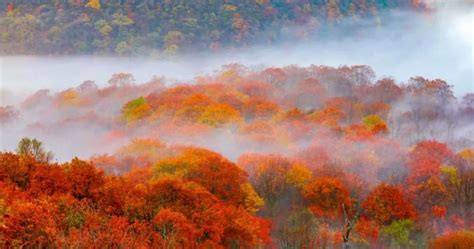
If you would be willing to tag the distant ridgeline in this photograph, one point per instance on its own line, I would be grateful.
(167, 27)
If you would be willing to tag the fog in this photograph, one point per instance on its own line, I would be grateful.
(432, 45)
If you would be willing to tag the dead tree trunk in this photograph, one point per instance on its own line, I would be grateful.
(348, 225)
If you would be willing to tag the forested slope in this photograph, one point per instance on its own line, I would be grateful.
(168, 27)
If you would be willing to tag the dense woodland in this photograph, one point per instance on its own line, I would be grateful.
(326, 157)
(278, 157)
(164, 28)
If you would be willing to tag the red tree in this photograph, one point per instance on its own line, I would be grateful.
(387, 203)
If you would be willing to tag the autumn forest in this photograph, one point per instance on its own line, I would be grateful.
(244, 156)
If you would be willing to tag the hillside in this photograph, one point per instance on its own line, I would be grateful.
(168, 27)
(291, 157)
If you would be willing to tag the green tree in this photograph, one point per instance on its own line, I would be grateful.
(399, 233)
(33, 148)
(135, 110)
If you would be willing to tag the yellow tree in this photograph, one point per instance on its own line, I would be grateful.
(95, 4)
(298, 175)
(219, 114)
(136, 109)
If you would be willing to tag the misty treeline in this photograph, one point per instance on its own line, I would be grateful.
(273, 107)
(290, 157)
(164, 28)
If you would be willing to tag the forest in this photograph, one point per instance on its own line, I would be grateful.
(259, 124)
(291, 157)
(169, 27)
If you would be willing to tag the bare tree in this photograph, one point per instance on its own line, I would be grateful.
(349, 224)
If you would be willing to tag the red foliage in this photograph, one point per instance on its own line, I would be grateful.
(86, 181)
(353, 135)
(30, 224)
(458, 240)
(16, 169)
(367, 229)
(387, 203)
(174, 229)
(215, 173)
(426, 158)
(49, 180)
(439, 211)
(10, 7)
(326, 195)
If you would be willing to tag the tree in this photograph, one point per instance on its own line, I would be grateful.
(49, 180)
(240, 27)
(268, 176)
(215, 173)
(16, 169)
(333, 12)
(458, 239)
(299, 230)
(375, 124)
(103, 27)
(251, 200)
(123, 48)
(242, 230)
(70, 98)
(258, 108)
(437, 89)
(172, 42)
(430, 193)
(33, 148)
(387, 90)
(274, 76)
(86, 181)
(102, 232)
(175, 229)
(121, 79)
(349, 224)
(399, 233)
(192, 108)
(362, 75)
(95, 4)
(462, 182)
(303, 96)
(453, 182)
(387, 203)
(142, 152)
(219, 114)
(325, 195)
(367, 229)
(468, 103)
(298, 175)
(29, 224)
(199, 206)
(426, 158)
(10, 8)
(135, 110)
(121, 20)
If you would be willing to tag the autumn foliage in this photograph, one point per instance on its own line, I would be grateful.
(388, 203)
(159, 27)
(51, 205)
(290, 157)
(460, 239)
(326, 195)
